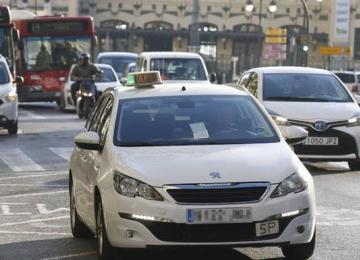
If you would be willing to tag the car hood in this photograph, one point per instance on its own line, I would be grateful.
(105, 85)
(167, 165)
(314, 111)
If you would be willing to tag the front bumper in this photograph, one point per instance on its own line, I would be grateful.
(146, 233)
(27, 94)
(8, 112)
(347, 150)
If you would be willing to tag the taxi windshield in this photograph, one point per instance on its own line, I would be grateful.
(293, 87)
(191, 120)
(178, 68)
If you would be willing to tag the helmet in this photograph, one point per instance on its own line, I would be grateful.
(84, 56)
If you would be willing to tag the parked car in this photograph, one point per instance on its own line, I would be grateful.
(316, 100)
(176, 66)
(108, 79)
(118, 60)
(8, 98)
(352, 81)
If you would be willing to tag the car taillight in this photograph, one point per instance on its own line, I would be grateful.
(354, 89)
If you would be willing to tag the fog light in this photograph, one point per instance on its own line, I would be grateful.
(300, 229)
(129, 233)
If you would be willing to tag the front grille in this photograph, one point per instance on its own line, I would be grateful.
(173, 232)
(237, 193)
(347, 144)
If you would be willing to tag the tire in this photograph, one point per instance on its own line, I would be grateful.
(300, 251)
(62, 103)
(78, 228)
(88, 104)
(354, 165)
(13, 127)
(104, 249)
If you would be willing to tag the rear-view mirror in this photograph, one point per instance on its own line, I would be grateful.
(19, 80)
(213, 77)
(88, 141)
(123, 81)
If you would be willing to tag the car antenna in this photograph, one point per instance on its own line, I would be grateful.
(183, 88)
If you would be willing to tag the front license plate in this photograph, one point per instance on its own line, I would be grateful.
(218, 216)
(267, 228)
(311, 140)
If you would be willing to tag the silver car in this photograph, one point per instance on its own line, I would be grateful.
(8, 99)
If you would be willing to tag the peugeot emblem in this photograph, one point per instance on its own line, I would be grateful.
(215, 175)
(320, 125)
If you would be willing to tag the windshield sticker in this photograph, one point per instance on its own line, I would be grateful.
(199, 130)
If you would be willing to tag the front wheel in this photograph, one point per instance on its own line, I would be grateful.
(354, 165)
(104, 249)
(78, 228)
(87, 106)
(13, 127)
(300, 251)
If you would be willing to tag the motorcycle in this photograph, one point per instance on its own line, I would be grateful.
(86, 98)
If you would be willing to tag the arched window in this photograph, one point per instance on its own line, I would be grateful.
(158, 26)
(248, 28)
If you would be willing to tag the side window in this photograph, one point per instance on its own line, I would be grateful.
(144, 65)
(105, 120)
(92, 122)
(252, 85)
(244, 80)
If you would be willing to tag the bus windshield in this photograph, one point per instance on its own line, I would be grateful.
(6, 44)
(54, 52)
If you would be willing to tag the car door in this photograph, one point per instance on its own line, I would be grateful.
(96, 159)
(80, 172)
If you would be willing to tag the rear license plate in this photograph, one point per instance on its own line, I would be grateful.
(311, 140)
(267, 228)
(218, 216)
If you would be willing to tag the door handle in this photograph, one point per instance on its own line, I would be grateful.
(97, 168)
(83, 158)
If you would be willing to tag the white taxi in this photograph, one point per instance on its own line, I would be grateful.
(188, 165)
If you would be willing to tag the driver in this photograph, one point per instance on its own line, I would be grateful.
(83, 70)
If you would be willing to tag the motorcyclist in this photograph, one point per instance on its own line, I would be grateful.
(82, 71)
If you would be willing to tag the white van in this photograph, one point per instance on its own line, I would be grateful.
(176, 67)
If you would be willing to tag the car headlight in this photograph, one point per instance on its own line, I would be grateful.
(12, 97)
(293, 184)
(130, 187)
(355, 121)
(279, 120)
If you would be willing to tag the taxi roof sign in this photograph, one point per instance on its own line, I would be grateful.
(144, 79)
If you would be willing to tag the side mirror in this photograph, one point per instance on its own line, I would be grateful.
(123, 81)
(88, 141)
(19, 80)
(293, 134)
(213, 77)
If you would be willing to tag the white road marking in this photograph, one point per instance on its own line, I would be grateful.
(14, 203)
(63, 152)
(33, 176)
(18, 161)
(43, 210)
(25, 114)
(33, 185)
(33, 233)
(71, 256)
(34, 194)
(33, 221)
(6, 211)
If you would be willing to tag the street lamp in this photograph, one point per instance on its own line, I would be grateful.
(249, 7)
(273, 7)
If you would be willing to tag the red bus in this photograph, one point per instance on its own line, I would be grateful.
(49, 46)
(9, 37)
